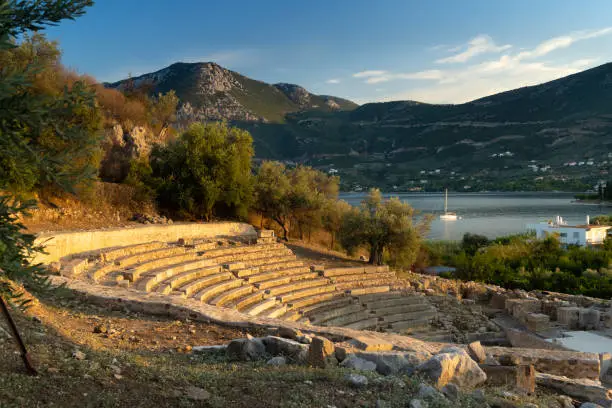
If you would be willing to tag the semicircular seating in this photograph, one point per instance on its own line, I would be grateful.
(260, 279)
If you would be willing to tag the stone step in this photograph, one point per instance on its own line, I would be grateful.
(276, 311)
(261, 306)
(293, 316)
(409, 308)
(254, 258)
(198, 284)
(246, 301)
(327, 305)
(370, 323)
(365, 283)
(150, 279)
(409, 324)
(363, 277)
(185, 277)
(236, 293)
(242, 248)
(368, 290)
(210, 292)
(335, 313)
(265, 276)
(291, 297)
(276, 262)
(293, 286)
(312, 300)
(123, 262)
(110, 255)
(136, 271)
(268, 284)
(233, 266)
(328, 273)
(243, 273)
(345, 319)
(381, 303)
(381, 296)
(424, 314)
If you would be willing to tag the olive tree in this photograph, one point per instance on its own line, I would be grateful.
(384, 227)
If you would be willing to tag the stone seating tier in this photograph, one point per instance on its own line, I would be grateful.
(264, 279)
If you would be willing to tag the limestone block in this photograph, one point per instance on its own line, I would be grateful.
(249, 349)
(582, 389)
(522, 378)
(321, 353)
(454, 367)
(557, 362)
(498, 301)
(317, 268)
(265, 233)
(537, 321)
(278, 346)
(356, 363)
(476, 351)
(588, 319)
(568, 316)
(394, 362)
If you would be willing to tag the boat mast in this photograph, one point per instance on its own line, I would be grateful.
(445, 200)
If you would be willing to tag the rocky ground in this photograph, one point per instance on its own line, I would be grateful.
(88, 356)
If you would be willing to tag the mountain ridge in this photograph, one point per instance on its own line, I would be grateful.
(399, 144)
(208, 91)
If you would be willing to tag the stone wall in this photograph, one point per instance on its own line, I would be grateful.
(61, 244)
(571, 364)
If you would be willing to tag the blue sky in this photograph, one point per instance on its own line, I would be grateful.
(430, 50)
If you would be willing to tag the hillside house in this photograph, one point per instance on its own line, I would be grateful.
(583, 235)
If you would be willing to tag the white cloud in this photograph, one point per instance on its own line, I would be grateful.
(463, 83)
(332, 81)
(561, 42)
(478, 45)
(366, 74)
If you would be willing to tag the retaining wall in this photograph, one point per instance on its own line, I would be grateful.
(61, 244)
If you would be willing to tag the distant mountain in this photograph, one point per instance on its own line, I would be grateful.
(554, 135)
(512, 135)
(208, 91)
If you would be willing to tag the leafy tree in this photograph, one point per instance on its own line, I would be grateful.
(39, 131)
(162, 111)
(207, 171)
(333, 214)
(471, 243)
(385, 227)
(293, 197)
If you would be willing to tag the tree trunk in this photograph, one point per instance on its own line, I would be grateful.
(376, 255)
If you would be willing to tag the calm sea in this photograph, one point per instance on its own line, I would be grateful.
(492, 214)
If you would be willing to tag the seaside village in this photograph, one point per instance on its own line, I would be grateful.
(457, 336)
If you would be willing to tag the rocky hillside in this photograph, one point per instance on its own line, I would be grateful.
(554, 126)
(210, 92)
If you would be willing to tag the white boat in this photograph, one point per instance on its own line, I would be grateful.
(447, 216)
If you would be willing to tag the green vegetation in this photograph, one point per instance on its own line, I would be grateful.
(297, 196)
(524, 262)
(206, 172)
(48, 125)
(387, 228)
(601, 220)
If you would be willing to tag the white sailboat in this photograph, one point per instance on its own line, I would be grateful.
(447, 216)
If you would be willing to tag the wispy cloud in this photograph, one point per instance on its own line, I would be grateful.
(564, 41)
(372, 73)
(465, 82)
(332, 81)
(478, 45)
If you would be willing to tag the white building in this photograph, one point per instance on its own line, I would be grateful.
(582, 235)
